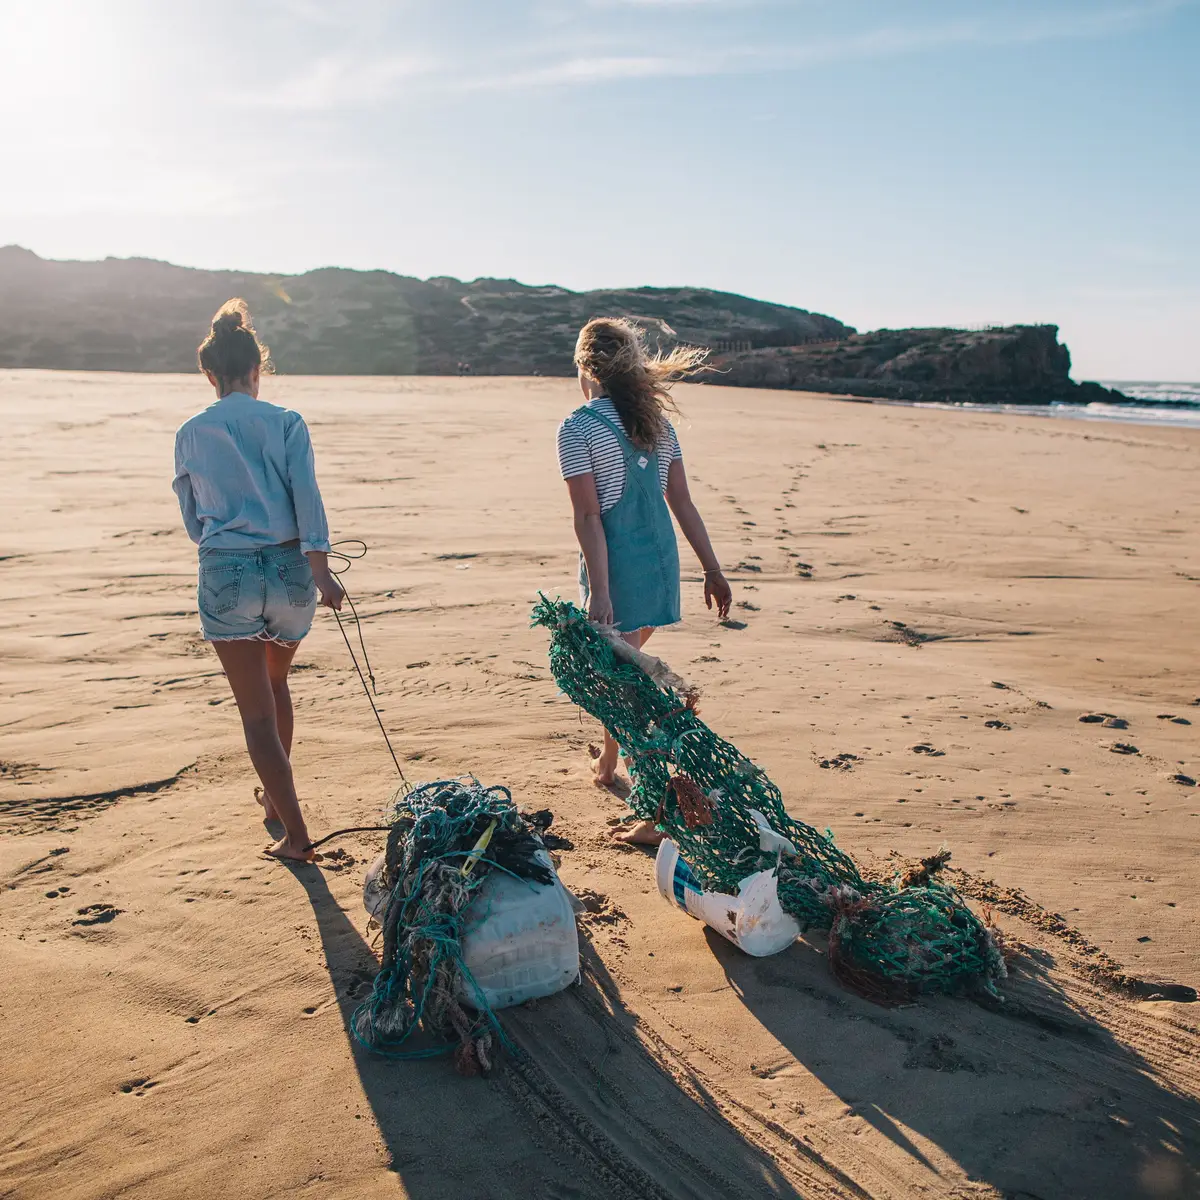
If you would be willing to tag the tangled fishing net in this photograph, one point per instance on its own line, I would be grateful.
(445, 839)
(886, 941)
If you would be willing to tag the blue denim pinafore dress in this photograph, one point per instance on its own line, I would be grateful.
(643, 557)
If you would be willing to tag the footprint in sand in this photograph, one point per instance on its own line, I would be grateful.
(1173, 719)
(1108, 720)
(926, 748)
(839, 762)
(1123, 748)
(997, 725)
(97, 914)
(337, 860)
(898, 631)
(359, 982)
(18, 770)
(138, 1087)
(597, 908)
(938, 1053)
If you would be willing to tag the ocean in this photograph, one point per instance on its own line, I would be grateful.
(1158, 403)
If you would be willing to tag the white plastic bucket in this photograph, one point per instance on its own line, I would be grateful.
(519, 939)
(752, 920)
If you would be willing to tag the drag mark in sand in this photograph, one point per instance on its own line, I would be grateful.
(1095, 964)
(801, 1163)
(631, 1151)
(40, 814)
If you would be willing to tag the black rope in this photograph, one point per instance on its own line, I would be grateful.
(346, 559)
(339, 832)
(340, 562)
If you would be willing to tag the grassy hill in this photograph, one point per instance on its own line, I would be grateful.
(143, 315)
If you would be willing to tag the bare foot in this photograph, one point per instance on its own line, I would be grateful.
(614, 784)
(269, 813)
(642, 834)
(291, 851)
(604, 771)
(603, 776)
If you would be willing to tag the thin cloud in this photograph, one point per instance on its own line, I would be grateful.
(883, 42)
(336, 81)
(320, 14)
(678, 3)
(352, 78)
(600, 69)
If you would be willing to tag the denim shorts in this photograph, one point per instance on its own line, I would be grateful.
(266, 594)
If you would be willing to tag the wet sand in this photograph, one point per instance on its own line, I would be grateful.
(939, 595)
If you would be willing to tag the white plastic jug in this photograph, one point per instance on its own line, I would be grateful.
(752, 920)
(519, 939)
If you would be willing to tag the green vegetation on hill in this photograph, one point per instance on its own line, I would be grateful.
(143, 315)
(137, 314)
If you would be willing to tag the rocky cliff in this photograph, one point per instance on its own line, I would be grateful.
(1018, 364)
(143, 315)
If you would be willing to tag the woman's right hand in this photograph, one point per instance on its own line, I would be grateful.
(600, 608)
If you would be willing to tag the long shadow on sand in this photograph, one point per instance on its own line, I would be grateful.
(583, 1109)
(1036, 1098)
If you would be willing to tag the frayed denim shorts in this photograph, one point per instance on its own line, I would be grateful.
(265, 595)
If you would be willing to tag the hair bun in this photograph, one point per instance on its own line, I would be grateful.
(227, 322)
(228, 358)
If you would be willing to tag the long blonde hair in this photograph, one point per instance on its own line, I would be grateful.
(612, 351)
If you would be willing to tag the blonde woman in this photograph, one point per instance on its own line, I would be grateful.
(249, 498)
(620, 457)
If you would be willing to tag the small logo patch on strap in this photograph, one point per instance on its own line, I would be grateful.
(643, 462)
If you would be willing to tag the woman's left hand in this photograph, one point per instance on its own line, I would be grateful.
(716, 587)
(331, 591)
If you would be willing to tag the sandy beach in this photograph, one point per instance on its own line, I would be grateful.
(926, 603)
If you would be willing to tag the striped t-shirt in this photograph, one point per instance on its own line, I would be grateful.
(588, 447)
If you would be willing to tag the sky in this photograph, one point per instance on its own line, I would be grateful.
(888, 162)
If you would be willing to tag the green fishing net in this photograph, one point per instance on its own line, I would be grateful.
(886, 940)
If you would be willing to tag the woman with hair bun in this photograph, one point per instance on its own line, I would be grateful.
(248, 493)
(621, 460)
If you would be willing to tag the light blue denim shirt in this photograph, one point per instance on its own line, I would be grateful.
(244, 476)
